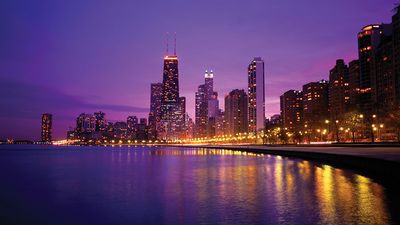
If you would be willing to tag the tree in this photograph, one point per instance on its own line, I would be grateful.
(354, 122)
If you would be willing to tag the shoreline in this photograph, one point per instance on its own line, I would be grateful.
(380, 170)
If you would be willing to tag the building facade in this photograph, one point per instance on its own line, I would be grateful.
(101, 122)
(155, 110)
(172, 105)
(256, 95)
(132, 127)
(291, 110)
(47, 126)
(369, 40)
(201, 111)
(315, 105)
(396, 52)
(236, 114)
(354, 85)
(339, 92)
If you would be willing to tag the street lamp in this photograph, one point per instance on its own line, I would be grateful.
(320, 134)
(327, 125)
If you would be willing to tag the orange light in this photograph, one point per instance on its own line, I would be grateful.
(169, 57)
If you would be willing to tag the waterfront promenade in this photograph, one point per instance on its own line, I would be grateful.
(390, 153)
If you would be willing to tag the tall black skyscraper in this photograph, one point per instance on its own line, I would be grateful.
(170, 89)
(172, 105)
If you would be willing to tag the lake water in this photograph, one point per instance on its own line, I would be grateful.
(159, 185)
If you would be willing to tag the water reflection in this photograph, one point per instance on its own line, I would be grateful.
(251, 184)
(199, 186)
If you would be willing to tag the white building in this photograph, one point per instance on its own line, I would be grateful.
(256, 93)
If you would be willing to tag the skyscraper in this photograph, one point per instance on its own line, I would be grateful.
(256, 93)
(315, 104)
(207, 106)
(354, 84)
(220, 123)
(369, 39)
(100, 121)
(338, 90)
(189, 127)
(132, 127)
(180, 118)
(396, 52)
(155, 110)
(172, 105)
(47, 124)
(385, 91)
(170, 90)
(209, 83)
(211, 95)
(292, 110)
(85, 125)
(201, 111)
(236, 115)
(213, 105)
(142, 129)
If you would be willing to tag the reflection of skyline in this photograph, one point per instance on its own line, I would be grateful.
(194, 186)
(256, 184)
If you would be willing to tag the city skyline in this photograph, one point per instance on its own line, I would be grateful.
(117, 102)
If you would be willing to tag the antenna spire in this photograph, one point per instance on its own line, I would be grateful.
(175, 43)
(167, 42)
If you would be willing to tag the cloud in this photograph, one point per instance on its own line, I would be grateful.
(23, 100)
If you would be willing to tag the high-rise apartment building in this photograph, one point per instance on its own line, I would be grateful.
(354, 84)
(256, 95)
(292, 110)
(369, 40)
(132, 127)
(339, 93)
(396, 52)
(47, 126)
(236, 114)
(101, 122)
(385, 82)
(315, 104)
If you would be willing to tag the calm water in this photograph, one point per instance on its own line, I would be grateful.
(142, 185)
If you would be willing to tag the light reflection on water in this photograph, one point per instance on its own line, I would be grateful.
(109, 185)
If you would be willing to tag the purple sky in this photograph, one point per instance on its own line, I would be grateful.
(68, 57)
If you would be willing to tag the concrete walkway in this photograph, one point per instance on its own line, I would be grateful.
(376, 152)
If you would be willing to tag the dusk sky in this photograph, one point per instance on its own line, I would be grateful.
(69, 57)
